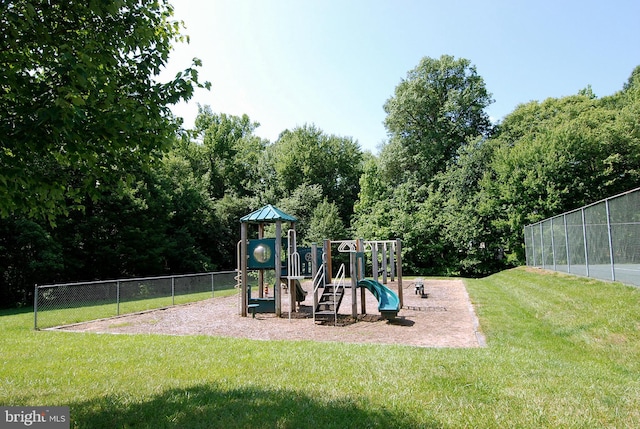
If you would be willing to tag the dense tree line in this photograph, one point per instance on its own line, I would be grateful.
(460, 206)
(98, 181)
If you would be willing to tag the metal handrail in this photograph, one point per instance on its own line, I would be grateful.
(339, 284)
(317, 281)
(293, 257)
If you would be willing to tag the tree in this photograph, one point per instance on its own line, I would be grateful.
(80, 100)
(434, 111)
(634, 81)
(301, 204)
(374, 206)
(326, 223)
(560, 154)
(307, 156)
(465, 215)
(28, 255)
(233, 152)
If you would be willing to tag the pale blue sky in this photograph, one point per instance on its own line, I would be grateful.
(334, 63)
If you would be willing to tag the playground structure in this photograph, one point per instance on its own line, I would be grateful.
(299, 263)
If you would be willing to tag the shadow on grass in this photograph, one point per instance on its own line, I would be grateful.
(211, 407)
(15, 311)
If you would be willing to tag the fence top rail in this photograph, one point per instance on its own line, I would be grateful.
(584, 207)
(95, 282)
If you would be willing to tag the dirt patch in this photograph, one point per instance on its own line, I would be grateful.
(445, 318)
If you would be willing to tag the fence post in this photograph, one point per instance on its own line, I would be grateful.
(613, 270)
(35, 308)
(118, 298)
(173, 290)
(213, 290)
(584, 235)
(533, 244)
(527, 248)
(566, 240)
(553, 247)
(542, 244)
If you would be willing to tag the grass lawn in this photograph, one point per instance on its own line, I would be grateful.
(562, 352)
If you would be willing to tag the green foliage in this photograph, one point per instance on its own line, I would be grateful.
(435, 110)
(326, 224)
(560, 154)
(302, 203)
(163, 222)
(232, 151)
(462, 210)
(160, 224)
(412, 191)
(28, 255)
(459, 207)
(307, 156)
(80, 103)
(228, 210)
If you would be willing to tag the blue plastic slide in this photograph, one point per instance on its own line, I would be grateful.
(388, 301)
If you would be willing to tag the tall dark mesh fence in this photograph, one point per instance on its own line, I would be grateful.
(601, 240)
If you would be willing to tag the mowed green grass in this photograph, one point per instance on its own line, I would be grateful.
(561, 352)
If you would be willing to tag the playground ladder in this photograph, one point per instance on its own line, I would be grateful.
(331, 298)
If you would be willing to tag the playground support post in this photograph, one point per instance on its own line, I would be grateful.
(314, 260)
(392, 261)
(278, 258)
(292, 247)
(328, 269)
(399, 270)
(374, 261)
(354, 283)
(360, 274)
(384, 263)
(243, 270)
(260, 272)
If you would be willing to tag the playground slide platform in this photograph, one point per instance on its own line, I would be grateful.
(388, 301)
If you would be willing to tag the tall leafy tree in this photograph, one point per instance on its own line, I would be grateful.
(29, 254)
(376, 207)
(80, 97)
(301, 203)
(232, 150)
(433, 112)
(559, 154)
(307, 156)
(468, 241)
(326, 223)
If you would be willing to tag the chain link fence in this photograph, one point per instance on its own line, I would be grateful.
(601, 240)
(64, 304)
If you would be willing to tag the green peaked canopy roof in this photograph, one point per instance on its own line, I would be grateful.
(268, 213)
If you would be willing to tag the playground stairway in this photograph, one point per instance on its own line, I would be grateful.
(329, 303)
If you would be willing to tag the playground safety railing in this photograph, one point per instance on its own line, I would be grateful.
(318, 280)
(293, 259)
(69, 303)
(339, 284)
